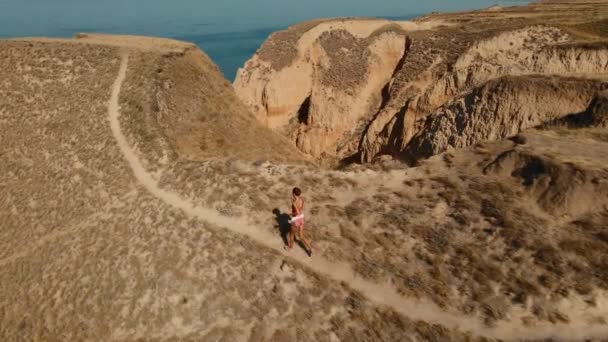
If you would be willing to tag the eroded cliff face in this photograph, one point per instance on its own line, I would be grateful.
(356, 89)
(523, 53)
(499, 109)
(321, 91)
(598, 111)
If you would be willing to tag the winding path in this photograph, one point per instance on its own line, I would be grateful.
(380, 294)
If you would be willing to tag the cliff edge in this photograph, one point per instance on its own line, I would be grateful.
(354, 89)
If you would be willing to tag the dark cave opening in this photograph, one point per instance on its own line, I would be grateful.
(304, 112)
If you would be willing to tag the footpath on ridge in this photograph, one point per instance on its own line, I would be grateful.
(380, 294)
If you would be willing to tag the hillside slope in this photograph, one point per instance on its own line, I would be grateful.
(90, 250)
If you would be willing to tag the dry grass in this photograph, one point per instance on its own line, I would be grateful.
(40, 130)
(486, 242)
(184, 101)
(594, 29)
(454, 252)
(599, 134)
(86, 254)
(349, 56)
(280, 49)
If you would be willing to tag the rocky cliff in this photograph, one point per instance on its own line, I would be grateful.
(598, 111)
(355, 89)
(499, 109)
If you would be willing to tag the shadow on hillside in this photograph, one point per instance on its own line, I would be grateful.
(282, 224)
(284, 228)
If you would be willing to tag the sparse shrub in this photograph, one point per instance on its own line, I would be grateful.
(409, 182)
(549, 257)
(520, 139)
(437, 241)
(584, 248)
(521, 288)
(557, 317)
(547, 280)
(351, 234)
(381, 198)
(428, 332)
(357, 209)
(583, 284)
(463, 211)
(397, 218)
(491, 211)
(367, 267)
(495, 309)
(490, 270)
(603, 236)
(600, 270)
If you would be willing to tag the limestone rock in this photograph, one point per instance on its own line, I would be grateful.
(335, 78)
(499, 109)
(359, 88)
(598, 110)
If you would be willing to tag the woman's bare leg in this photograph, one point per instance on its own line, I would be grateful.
(302, 238)
(291, 237)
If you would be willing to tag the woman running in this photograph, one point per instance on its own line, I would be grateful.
(297, 221)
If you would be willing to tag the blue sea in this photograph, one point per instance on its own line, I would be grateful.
(229, 31)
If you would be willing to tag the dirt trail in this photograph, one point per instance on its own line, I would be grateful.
(382, 294)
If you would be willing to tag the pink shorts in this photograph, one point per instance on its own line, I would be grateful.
(297, 221)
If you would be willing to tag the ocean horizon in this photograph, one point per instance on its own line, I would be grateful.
(228, 40)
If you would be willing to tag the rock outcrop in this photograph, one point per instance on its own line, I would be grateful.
(499, 109)
(357, 89)
(598, 111)
(558, 188)
(324, 82)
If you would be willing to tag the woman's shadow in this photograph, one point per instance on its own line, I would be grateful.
(284, 227)
(283, 224)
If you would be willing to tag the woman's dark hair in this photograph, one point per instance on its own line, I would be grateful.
(297, 191)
